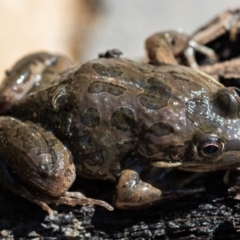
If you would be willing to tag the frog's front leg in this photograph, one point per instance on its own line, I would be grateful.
(133, 193)
(29, 74)
(165, 47)
(37, 166)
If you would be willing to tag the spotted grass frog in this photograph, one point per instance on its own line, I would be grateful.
(112, 119)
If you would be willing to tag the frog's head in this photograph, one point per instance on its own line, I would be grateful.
(14, 86)
(213, 141)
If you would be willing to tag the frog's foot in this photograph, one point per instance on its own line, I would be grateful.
(133, 193)
(77, 198)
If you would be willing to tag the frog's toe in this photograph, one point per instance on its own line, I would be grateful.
(77, 198)
(45, 207)
(189, 53)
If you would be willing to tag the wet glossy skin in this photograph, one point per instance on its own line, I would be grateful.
(111, 117)
(31, 73)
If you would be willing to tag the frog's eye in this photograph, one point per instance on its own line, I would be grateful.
(173, 41)
(210, 148)
(7, 72)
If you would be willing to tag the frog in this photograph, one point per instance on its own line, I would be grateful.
(31, 73)
(176, 47)
(216, 41)
(117, 119)
(227, 22)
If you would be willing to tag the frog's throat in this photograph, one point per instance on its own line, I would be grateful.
(166, 164)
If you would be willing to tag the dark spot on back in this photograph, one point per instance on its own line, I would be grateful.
(222, 104)
(156, 95)
(226, 104)
(107, 71)
(151, 102)
(98, 87)
(91, 118)
(203, 115)
(161, 129)
(123, 118)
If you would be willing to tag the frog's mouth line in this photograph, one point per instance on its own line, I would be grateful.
(195, 167)
(162, 164)
(208, 167)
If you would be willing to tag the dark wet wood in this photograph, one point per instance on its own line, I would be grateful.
(213, 214)
(227, 72)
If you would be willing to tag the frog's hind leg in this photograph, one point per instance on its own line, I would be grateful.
(133, 193)
(9, 182)
(159, 50)
(165, 47)
(68, 198)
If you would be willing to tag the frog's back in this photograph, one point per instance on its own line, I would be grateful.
(108, 108)
(122, 103)
(129, 95)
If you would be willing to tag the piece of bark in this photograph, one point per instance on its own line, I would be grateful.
(210, 215)
(227, 72)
